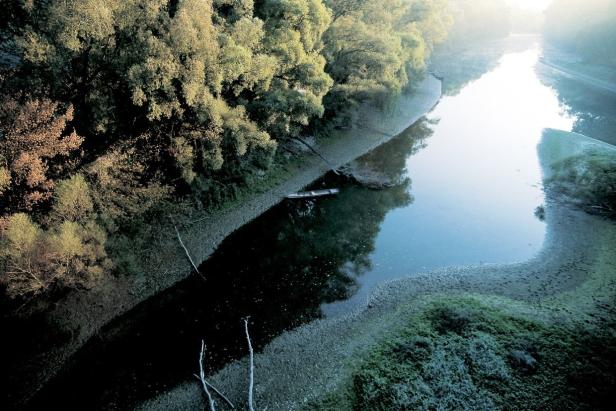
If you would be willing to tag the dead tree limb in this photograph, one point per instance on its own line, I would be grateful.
(220, 394)
(317, 153)
(177, 232)
(251, 369)
(202, 378)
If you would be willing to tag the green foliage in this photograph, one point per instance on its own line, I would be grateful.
(189, 96)
(70, 253)
(72, 200)
(462, 353)
(375, 49)
(294, 31)
(589, 180)
(5, 179)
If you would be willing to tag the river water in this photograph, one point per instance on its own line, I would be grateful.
(468, 192)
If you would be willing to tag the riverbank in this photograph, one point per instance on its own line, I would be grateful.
(83, 313)
(574, 67)
(572, 280)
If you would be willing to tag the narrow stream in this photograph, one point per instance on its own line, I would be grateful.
(468, 188)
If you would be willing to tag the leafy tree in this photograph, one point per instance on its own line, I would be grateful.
(131, 100)
(69, 254)
(36, 147)
(294, 31)
(375, 49)
(120, 189)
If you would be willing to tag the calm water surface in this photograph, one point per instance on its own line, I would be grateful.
(478, 181)
(468, 184)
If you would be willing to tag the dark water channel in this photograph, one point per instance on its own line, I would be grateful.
(468, 184)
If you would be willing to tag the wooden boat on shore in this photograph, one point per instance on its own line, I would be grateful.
(313, 194)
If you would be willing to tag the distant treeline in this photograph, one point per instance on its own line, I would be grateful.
(586, 27)
(111, 108)
(479, 20)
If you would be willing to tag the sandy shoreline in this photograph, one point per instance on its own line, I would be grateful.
(573, 275)
(85, 313)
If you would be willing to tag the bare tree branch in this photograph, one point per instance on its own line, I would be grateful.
(202, 378)
(251, 370)
(220, 394)
(317, 154)
(177, 232)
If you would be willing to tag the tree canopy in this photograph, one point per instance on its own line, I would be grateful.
(112, 108)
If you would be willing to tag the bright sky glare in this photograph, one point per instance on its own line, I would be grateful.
(534, 5)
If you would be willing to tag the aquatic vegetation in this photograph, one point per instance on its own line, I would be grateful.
(467, 353)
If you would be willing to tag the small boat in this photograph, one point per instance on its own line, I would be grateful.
(314, 193)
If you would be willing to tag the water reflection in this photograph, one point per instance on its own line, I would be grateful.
(476, 183)
(278, 270)
(593, 108)
(460, 64)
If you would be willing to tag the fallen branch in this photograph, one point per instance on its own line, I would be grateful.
(220, 394)
(251, 369)
(379, 131)
(202, 378)
(186, 251)
(317, 153)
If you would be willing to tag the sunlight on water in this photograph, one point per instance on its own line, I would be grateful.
(477, 183)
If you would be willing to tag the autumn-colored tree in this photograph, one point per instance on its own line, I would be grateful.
(187, 95)
(36, 148)
(71, 253)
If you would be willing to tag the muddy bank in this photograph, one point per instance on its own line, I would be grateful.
(573, 276)
(83, 313)
(306, 364)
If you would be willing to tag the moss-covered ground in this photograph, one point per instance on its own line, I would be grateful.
(483, 353)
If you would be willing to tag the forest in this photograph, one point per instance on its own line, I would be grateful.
(113, 112)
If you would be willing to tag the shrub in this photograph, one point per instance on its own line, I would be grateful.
(35, 150)
(70, 253)
(589, 180)
(499, 359)
(72, 200)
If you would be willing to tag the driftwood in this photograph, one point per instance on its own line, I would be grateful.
(205, 383)
(251, 369)
(177, 232)
(313, 193)
(202, 378)
(317, 153)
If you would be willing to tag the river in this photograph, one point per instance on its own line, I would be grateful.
(468, 191)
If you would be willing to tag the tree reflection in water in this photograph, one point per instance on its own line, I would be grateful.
(593, 108)
(278, 269)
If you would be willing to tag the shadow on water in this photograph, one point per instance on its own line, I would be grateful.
(278, 270)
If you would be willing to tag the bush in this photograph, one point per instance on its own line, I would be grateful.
(589, 180)
(70, 253)
(463, 354)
